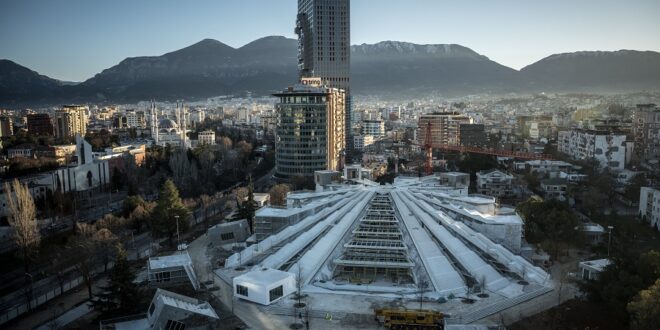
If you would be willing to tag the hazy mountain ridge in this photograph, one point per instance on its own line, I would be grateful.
(210, 68)
(589, 70)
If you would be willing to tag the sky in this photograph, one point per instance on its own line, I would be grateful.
(72, 40)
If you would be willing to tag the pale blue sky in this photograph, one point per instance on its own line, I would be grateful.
(75, 39)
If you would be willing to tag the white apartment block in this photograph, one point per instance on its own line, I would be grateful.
(607, 148)
(649, 206)
(373, 127)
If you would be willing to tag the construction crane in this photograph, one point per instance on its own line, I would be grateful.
(429, 146)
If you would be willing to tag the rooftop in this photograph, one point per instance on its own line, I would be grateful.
(263, 276)
(597, 264)
(180, 258)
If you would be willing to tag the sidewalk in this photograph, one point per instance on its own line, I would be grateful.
(55, 307)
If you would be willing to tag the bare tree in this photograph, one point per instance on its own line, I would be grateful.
(278, 194)
(184, 171)
(84, 245)
(22, 218)
(299, 285)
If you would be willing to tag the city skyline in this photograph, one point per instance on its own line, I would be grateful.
(75, 40)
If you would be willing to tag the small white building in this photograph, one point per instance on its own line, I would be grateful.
(261, 199)
(649, 206)
(264, 285)
(206, 138)
(590, 270)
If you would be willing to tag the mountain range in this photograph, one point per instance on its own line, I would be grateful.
(211, 68)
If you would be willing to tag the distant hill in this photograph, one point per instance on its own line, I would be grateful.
(621, 70)
(211, 68)
(18, 84)
(392, 67)
(204, 69)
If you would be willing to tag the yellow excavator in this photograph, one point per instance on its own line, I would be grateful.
(409, 319)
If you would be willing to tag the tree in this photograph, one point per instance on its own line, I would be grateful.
(83, 246)
(170, 213)
(247, 208)
(104, 246)
(299, 285)
(130, 203)
(278, 194)
(184, 171)
(549, 223)
(121, 295)
(633, 188)
(205, 200)
(140, 216)
(622, 280)
(644, 309)
(117, 180)
(22, 219)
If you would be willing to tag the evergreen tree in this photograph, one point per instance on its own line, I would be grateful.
(121, 295)
(247, 208)
(170, 210)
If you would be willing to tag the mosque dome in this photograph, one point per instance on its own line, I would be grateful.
(167, 124)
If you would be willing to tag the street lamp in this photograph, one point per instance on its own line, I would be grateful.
(177, 231)
(609, 240)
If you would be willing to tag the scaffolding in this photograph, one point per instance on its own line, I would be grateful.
(375, 251)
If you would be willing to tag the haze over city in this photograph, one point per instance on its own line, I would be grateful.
(105, 32)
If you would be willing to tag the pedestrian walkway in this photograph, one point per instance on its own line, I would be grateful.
(68, 317)
(56, 307)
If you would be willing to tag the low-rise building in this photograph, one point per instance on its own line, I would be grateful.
(169, 310)
(206, 138)
(494, 183)
(230, 232)
(554, 188)
(22, 151)
(264, 286)
(649, 206)
(590, 270)
(172, 270)
(547, 166)
(593, 232)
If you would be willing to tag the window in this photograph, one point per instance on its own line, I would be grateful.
(276, 293)
(174, 325)
(241, 290)
(226, 236)
(163, 277)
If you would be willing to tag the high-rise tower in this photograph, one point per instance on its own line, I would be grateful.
(324, 51)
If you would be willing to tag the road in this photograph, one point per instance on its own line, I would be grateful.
(247, 312)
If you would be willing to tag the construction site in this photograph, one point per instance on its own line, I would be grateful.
(358, 246)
